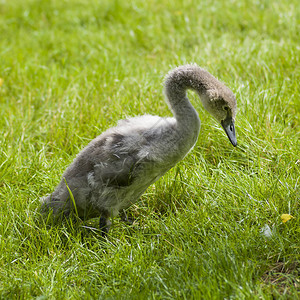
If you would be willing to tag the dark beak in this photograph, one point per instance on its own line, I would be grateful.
(228, 126)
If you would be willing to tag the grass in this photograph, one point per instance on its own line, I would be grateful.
(71, 69)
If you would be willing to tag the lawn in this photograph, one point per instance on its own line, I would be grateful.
(210, 228)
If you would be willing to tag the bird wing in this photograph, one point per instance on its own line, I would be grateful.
(124, 159)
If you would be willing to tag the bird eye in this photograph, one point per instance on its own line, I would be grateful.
(225, 107)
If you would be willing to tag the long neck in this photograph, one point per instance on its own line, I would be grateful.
(176, 84)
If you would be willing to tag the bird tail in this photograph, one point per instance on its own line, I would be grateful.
(52, 205)
(45, 204)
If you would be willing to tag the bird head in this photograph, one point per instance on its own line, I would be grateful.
(220, 102)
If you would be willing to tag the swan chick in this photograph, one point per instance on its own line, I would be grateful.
(114, 169)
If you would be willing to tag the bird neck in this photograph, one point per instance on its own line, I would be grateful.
(176, 86)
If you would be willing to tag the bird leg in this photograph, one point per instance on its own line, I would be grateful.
(104, 225)
(125, 218)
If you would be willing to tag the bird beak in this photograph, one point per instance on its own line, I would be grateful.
(228, 126)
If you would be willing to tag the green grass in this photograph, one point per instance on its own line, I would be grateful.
(71, 69)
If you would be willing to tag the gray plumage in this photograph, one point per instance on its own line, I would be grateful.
(115, 169)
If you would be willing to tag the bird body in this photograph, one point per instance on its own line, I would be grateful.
(115, 168)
